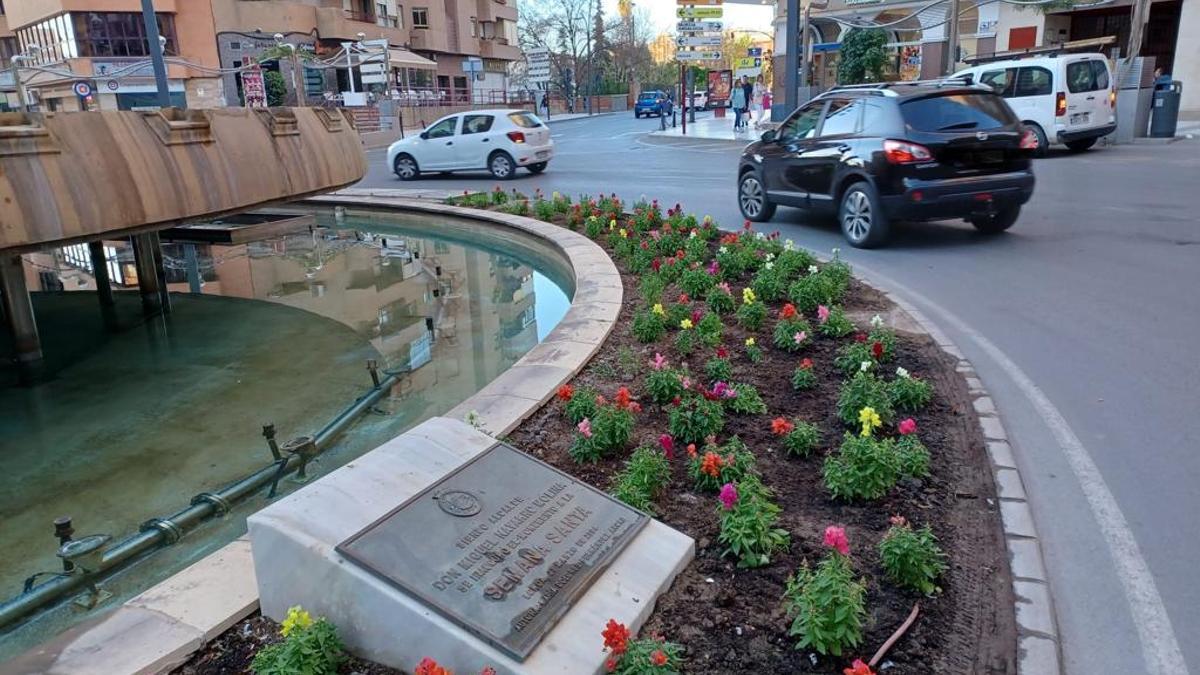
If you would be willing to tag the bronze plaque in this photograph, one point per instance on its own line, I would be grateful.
(502, 546)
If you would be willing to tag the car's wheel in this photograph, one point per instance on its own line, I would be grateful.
(538, 167)
(501, 165)
(637, 115)
(752, 199)
(405, 167)
(1081, 145)
(864, 224)
(1042, 141)
(998, 221)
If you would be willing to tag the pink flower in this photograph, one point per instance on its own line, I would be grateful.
(668, 445)
(655, 235)
(835, 538)
(908, 426)
(686, 382)
(696, 316)
(800, 337)
(724, 286)
(585, 428)
(713, 267)
(822, 313)
(659, 362)
(898, 520)
(729, 496)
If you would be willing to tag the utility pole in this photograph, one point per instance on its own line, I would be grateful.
(156, 53)
(15, 69)
(1137, 28)
(791, 58)
(952, 38)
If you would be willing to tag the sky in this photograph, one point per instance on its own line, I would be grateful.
(662, 13)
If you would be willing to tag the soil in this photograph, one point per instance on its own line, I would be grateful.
(730, 620)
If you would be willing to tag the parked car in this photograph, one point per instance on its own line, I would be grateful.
(1068, 98)
(875, 154)
(497, 140)
(700, 99)
(652, 102)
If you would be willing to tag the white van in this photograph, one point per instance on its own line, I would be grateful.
(1068, 98)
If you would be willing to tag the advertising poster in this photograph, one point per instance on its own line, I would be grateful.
(719, 82)
(910, 63)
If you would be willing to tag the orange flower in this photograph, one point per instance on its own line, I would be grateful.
(623, 398)
(691, 449)
(658, 658)
(565, 392)
(781, 427)
(858, 668)
(611, 664)
(788, 311)
(428, 666)
(711, 464)
(616, 637)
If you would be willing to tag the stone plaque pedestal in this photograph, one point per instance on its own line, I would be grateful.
(294, 543)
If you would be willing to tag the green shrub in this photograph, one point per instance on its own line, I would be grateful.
(836, 324)
(748, 529)
(715, 465)
(815, 289)
(582, 404)
(642, 479)
(718, 369)
(753, 351)
(913, 457)
(309, 647)
(792, 261)
(663, 385)
(696, 282)
(864, 390)
(862, 468)
(802, 440)
(651, 288)
(687, 341)
(747, 402)
(710, 329)
(648, 326)
(786, 331)
(769, 284)
(694, 419)
(499, 196)
(884, 336)
(720, 301)
(850, 357)
(612, 427)
(912, 558)
(827, 606)
(593, 227)
(909, 393)
(803, 376)
(543, 209)
(677, 312)
(647, 656)
(751, 315)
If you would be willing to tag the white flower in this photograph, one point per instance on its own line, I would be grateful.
(876, 322)
(788, 245)
(760, 235)
(723, 249)
(692, 235)
(836, 251)
(812, 269)
(901, 372)
(770, 257)
(864, 366)
(770, 266)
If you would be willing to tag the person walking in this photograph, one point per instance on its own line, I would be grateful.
(766, 102)
(756, 101)
(737, 101)
(748, 90)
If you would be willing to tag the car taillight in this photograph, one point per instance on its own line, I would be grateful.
(900, 152)
(1029, 140)
(1060, 104)
(516, 136)
(1112, 98)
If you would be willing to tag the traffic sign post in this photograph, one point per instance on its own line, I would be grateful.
(687, 26)
(697, 38)
(694, 12)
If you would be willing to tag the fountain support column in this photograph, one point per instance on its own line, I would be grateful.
(147, 256)
(104, 290)
(19, 319)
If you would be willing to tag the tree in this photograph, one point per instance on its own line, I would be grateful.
(276, 87)
(564, 28)
(863, 56)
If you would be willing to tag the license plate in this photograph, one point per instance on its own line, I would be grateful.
(543, 154)
(1080, 118)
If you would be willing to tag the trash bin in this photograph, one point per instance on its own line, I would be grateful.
(1165, 111)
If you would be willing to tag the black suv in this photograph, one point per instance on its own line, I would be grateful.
(895, 151)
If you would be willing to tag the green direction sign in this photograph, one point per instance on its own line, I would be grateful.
(694, 12)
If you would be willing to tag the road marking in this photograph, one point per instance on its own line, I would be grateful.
(1160, 649)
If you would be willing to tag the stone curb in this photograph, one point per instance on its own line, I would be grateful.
(161, 628)
(1038, 645)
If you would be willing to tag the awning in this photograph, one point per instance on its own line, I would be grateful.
(402, 58)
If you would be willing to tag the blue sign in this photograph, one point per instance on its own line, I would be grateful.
(754, 51)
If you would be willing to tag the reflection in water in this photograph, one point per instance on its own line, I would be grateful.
(135, 422)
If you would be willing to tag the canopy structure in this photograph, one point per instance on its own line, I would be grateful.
(402, 58)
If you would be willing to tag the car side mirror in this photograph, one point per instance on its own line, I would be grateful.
(424, 135)
(770, 136)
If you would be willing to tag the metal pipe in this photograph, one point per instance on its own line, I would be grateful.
(158, 532)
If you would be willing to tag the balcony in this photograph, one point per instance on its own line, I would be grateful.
(362, 17)
(336, 23)
(498, 48)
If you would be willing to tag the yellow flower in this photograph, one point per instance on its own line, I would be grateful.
(749, 342)
(612, 224)
(686, 324)
(747, 296)
(624, 234)
(870, 420)
(658, 309)
(297, 619)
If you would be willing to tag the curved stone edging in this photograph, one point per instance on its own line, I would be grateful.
(518, 392)
(1038, 646)
(163, 626)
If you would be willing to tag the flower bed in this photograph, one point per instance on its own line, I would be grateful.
(830, 469)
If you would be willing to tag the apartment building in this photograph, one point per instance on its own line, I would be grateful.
(97, 41)
(433, 38)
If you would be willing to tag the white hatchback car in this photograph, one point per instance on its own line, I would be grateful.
(496, 140)
(1068, 98)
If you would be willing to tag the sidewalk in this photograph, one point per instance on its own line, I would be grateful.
(715, 129)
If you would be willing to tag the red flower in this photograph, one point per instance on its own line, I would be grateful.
(644, 245)
(655, 264)
(684, 299)
(611, 664)
(711, 464)
(428, 666)
(722, 352)
(746, 226)
(622, 398)
(635, 407)
(565, 392)
(691, 449)
(696, 315)
(858, 668)
(488, 670)
(781, 426)
(658, 658)
(676, 400)
(806, 364)
(668, 445)
(788, 311)
(877, 349)
(616, 637)
(860, 337)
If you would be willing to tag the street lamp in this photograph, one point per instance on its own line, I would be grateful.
(291, 47)
(27, 55)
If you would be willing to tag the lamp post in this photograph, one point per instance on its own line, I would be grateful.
(291, 47)
(156, 45)
(15, 68)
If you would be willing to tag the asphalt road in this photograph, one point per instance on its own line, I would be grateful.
(1082, 321)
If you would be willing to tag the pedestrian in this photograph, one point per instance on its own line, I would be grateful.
(766, 102)
(738, 102)
(748, 90)
(756, 101)
(1162, 80)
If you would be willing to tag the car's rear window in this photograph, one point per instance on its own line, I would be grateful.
(649, 95)
(525, 119)
(957, 112)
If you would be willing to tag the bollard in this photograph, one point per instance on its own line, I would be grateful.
(373, 368)
(269, 434)
(64, 531)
